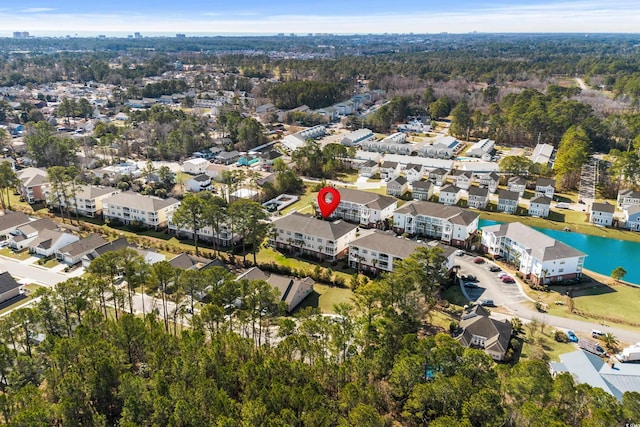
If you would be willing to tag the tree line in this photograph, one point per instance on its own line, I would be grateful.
(240, 362)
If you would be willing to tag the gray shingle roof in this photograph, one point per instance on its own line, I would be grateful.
(454, 214)
(543, 200)
(602, 207)
(371, 200)
(12, 219)
(7, 282)
(479, 192)
(422, 185)
(508, 195)
(138, 201)
(83, 246)
(308, 225)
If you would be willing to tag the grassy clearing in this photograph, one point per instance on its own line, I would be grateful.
(330, 296)
(552, 349)
(348, 177)
(51, 263)
(21, 255)
(303, 205)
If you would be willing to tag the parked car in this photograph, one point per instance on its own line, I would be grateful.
(572, 336)
(494, 269)
(502, 274)
(478, 260)
(470, 285)
(487, 302)
(459, 252)
(597, 333)
(469, 278)
(507, 279)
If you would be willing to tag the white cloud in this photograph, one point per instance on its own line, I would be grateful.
(37, 10)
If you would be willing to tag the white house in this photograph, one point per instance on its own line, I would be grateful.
(128, 207)
(545, 187)
(443, 148)
(357, 137)
(628, 198)
(369, 168)
(508, 201)
(195, 166)
(480, 148)
(307, 235)
(450, 194)
(198, 183)
(49, 241)
(462, 179)
(23, 235)
(9, 288)
(73, 252)
(389, 170)
(490, 180)
(414, 172)
(602, 214)
(299, 139)
(378, 251)
(33, 184)
(87, 200)
(365, 208)
(542, 154)
(539, 257)
(10, 220)
(539, 206)
(478, 197)
(450, 224)
(438, 175)
(517, 184)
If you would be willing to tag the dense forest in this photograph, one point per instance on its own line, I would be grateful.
(245, 364)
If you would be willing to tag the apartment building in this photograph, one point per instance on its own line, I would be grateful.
(365, 208)
(129, 207)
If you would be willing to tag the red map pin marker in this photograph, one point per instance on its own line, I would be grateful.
(328, 200)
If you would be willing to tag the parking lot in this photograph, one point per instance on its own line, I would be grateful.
(489, 285)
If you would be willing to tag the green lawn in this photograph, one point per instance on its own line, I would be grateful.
(22, 255)
(551, 347)
(51, 263)
(348, 177)
(325, 297)
(304, 204)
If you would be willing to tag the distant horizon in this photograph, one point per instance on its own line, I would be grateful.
(41, 17)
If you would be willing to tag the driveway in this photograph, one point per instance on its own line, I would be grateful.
(514, 301)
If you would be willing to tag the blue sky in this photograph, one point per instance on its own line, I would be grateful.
(344, 16)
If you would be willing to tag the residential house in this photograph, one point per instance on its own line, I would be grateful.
(414, 172)
(268, 158)
(208, 153)
(517, 184)
(397, 187)
(616, 379)
(112, 246)
(481, 148)
(357, 137)
(437, 176)
(491, 181)
(307, 235)
(227, 157)
(299, 139)
(389, 170)
(195, 166)
(33, 184)
(292, 290)
(129, 207)
(72, 253)
(450, 194)
(478, 330)
(49, 241)
(545, 187)
(394, 144)
(378, 251)
(628, 198)
(26, 233)
(86, 201)
(442, 148)
(478, 197)
(9, 288)
(422, 190)
(462, 179)
(185, 261)
(543, 153)
(364, 208)
(450, 224)
(198, 183)
(539, 258)
(369, 168)
(214, 171)
(9, 221)
(632, 218)
(539, 206)
(508, 201)
(602, 214)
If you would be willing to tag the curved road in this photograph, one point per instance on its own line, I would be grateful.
(513, 299)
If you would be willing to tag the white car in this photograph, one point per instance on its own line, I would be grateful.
(459, 252)
(502, 274)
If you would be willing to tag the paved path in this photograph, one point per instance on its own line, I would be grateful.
(514, 300)
(32, 273)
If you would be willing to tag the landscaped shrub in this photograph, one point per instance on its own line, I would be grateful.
(560, 336)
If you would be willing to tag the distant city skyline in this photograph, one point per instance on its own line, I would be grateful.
(119, 17)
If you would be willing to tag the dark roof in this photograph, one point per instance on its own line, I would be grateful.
(371, 200)
(422, 184)
(83, 246)
(401, 180)
(450, 188)
(508, 195)
(389, 164)
(369, 164)
(12, 219)
(389, 243)
(38, 225)
(477, 191)
(7, 282)
(438, 171)
(112, 246)
(544, 200)
(228, 154)
(496, 332)
(190, 262)
(454, 214)
(201, 178)
(544, 182)
(602, 207)
(415, 166)
(311, 226)
(517, 180)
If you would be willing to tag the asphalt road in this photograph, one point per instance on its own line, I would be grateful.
(516, 303)
(32, 273)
